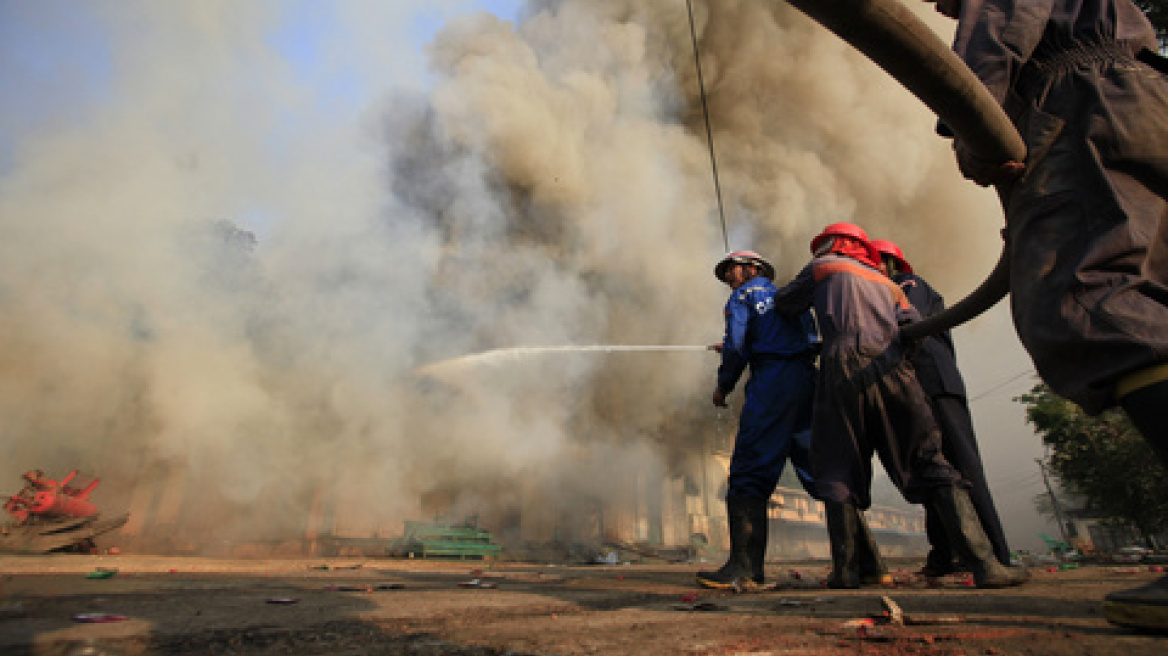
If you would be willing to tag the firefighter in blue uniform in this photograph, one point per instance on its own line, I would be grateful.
(935, 361)
(776, 418)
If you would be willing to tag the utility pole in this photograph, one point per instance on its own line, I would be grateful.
(1058, 511)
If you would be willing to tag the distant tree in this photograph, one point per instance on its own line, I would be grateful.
(1102, 459)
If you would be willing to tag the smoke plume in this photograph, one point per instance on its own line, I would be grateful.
(218, 282)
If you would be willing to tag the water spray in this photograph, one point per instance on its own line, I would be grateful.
(501, 356)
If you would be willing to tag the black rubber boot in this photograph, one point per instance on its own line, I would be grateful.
(1145, 607)
(969, 541)
(756, 545)
(842, 530)
(737, 573)
(872, 568)
(1147, 408)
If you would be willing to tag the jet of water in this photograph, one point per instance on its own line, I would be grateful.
(498, 357)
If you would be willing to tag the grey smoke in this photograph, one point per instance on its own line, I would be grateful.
(548, 185)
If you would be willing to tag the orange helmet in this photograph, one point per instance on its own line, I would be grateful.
(885, 247)
(743, 257)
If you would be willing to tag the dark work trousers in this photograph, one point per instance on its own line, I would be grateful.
(775, 425)
(959, 444)
(866, 405)
(1087, 228)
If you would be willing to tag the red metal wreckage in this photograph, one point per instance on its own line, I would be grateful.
(50, 515)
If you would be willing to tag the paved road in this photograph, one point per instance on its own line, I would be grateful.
(422, 608)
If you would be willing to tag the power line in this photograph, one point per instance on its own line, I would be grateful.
(706, 114)
(1028, 372)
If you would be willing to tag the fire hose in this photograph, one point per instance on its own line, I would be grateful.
(900, 43)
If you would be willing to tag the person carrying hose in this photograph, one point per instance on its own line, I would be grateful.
(935, 362)
(775, 422)
(868, 401)
(1087, 212)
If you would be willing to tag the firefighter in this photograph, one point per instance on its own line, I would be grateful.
(868, 400)
(775, 422)
(1086, 232)
(935, 362)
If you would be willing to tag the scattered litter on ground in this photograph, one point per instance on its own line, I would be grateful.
(102, 573)
(364, 587)
(477, 583)
(98, 618)
(892, 610)
(701, 606)
(282, 600)
(611, 558)
(802, 603)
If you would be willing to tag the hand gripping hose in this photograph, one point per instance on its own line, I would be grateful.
(900, 43)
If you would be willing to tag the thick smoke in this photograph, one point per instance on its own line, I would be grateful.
(224, 320)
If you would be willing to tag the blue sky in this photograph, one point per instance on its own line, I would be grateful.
(57, 57)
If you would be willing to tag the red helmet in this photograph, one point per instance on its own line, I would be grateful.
(885, 247)
(743, 257)
(839, 230)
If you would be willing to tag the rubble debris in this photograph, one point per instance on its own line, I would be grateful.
(895, 616)
(892, 609)
(700, 606)
(437, 540)
(49, 515)
(477, 583)
(98, 618)
(800, 603)
(364, 587)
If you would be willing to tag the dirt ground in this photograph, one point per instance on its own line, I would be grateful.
(50, 605)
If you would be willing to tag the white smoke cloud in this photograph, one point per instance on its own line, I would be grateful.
(546, 182)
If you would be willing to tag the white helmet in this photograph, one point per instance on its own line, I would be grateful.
(743, 257)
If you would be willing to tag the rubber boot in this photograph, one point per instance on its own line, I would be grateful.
(1145, 607)
(872, 568)
(737, 573)
(939, 561)
(756, 545)
(969, 541)
(842, 530)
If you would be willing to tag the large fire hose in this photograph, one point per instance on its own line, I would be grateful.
(900, 43)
